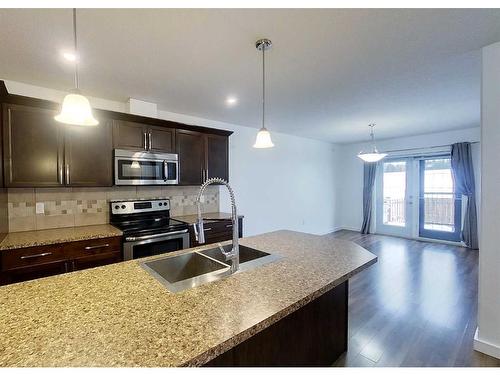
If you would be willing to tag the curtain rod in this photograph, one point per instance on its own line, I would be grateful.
(422, 148)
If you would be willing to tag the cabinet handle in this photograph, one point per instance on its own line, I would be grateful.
(67, 174)
(61, 179)
(149, 136)
(229, 225)
(207, 229)
(35, 255)
(96, 246)
(145, 141)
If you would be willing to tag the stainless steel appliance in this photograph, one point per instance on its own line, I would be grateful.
(147, 227)
(145, 168)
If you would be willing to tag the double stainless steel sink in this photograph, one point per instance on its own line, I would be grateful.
(186, 271)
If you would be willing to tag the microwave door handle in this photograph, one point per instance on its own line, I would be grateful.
(165, 170)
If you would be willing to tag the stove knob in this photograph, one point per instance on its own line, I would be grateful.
(160, 204)
(123, 206)
(164, 203)
(117, 207)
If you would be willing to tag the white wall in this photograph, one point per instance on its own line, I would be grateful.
(350, 179)
(487, 337)
(291, 186)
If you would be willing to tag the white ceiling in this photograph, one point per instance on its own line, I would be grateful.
(330, 72)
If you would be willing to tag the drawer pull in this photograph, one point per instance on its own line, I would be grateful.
(96, 246)
(229, 226)
(207, 229)
(35, 255)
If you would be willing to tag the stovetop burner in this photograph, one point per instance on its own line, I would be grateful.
(143, 217)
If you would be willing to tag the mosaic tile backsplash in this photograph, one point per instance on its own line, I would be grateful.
(68, 207)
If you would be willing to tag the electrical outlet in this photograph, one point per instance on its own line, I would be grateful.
(40, 208)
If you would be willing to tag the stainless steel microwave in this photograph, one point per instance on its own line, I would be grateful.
(145, 168)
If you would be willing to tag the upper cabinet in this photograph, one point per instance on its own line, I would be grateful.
(137, 136)
(88, 155)
(33, 147)
(38, 151)
(41, 152)
(217, 155)
(201, 156)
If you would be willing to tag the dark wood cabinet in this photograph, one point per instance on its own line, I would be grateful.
(142, 137)
(201, 156)
(161, 139)
(40, 261)
(38, 151)
(88, 155)
(216, 231)
(191, 151)
(129, 135)
(33, 147)
(217, 150)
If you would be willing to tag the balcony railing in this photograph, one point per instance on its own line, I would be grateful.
(439, 211)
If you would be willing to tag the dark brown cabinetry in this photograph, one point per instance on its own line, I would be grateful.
(33, 147)
(88, 155)
(40, 152)
(138, 136)
(41, 261)
(191, 151)
(201, 156)
(216, 231)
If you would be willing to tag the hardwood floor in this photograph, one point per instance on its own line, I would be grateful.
(416, 306)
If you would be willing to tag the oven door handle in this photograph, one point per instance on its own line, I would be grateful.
(166, 235)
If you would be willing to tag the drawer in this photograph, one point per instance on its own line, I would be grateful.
(29, 256)
(93, 247)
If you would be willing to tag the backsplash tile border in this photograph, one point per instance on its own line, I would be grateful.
(67, 207)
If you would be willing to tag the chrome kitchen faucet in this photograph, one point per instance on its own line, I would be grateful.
(234, 254)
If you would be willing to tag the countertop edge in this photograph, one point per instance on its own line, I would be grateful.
(76, 238)
(214, 352)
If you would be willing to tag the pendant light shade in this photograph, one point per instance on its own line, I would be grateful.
(75, 109)
(373, 156)
(263, 139)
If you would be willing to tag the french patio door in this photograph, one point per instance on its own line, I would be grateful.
(394, 197)
(415, 198)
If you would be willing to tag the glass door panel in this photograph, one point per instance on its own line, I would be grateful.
(393, 214)
(439, 208)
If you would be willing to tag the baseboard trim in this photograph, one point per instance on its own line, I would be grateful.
(346, 228)
(485, 346)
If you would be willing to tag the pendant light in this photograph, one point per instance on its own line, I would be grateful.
(75, 109)
(263, 139)
(374, 155)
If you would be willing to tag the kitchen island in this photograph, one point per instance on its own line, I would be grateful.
(119, 315)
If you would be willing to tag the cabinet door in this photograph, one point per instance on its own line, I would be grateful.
(129, 135)
(33, 147)
(33, 272)
(191, 150)
(88, 155)
(217, 156)
(161, 139)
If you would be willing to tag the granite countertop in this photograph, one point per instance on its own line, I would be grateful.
(191, 219)
(52, 236)
(119, 315)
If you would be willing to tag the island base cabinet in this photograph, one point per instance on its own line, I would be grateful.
(314, 335)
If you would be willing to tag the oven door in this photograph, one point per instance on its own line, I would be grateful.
(155, 244)
(145, 171)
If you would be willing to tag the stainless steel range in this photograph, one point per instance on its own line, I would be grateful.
(147, 227)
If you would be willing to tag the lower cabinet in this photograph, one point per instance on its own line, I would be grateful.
(41, 261)
(216, 231)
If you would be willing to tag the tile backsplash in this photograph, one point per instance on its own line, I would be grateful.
(68, 207)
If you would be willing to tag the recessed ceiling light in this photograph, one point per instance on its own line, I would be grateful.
(231, 100)
(70, 56)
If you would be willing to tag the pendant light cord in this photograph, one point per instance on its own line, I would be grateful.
(263, 85)
(77, 83)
